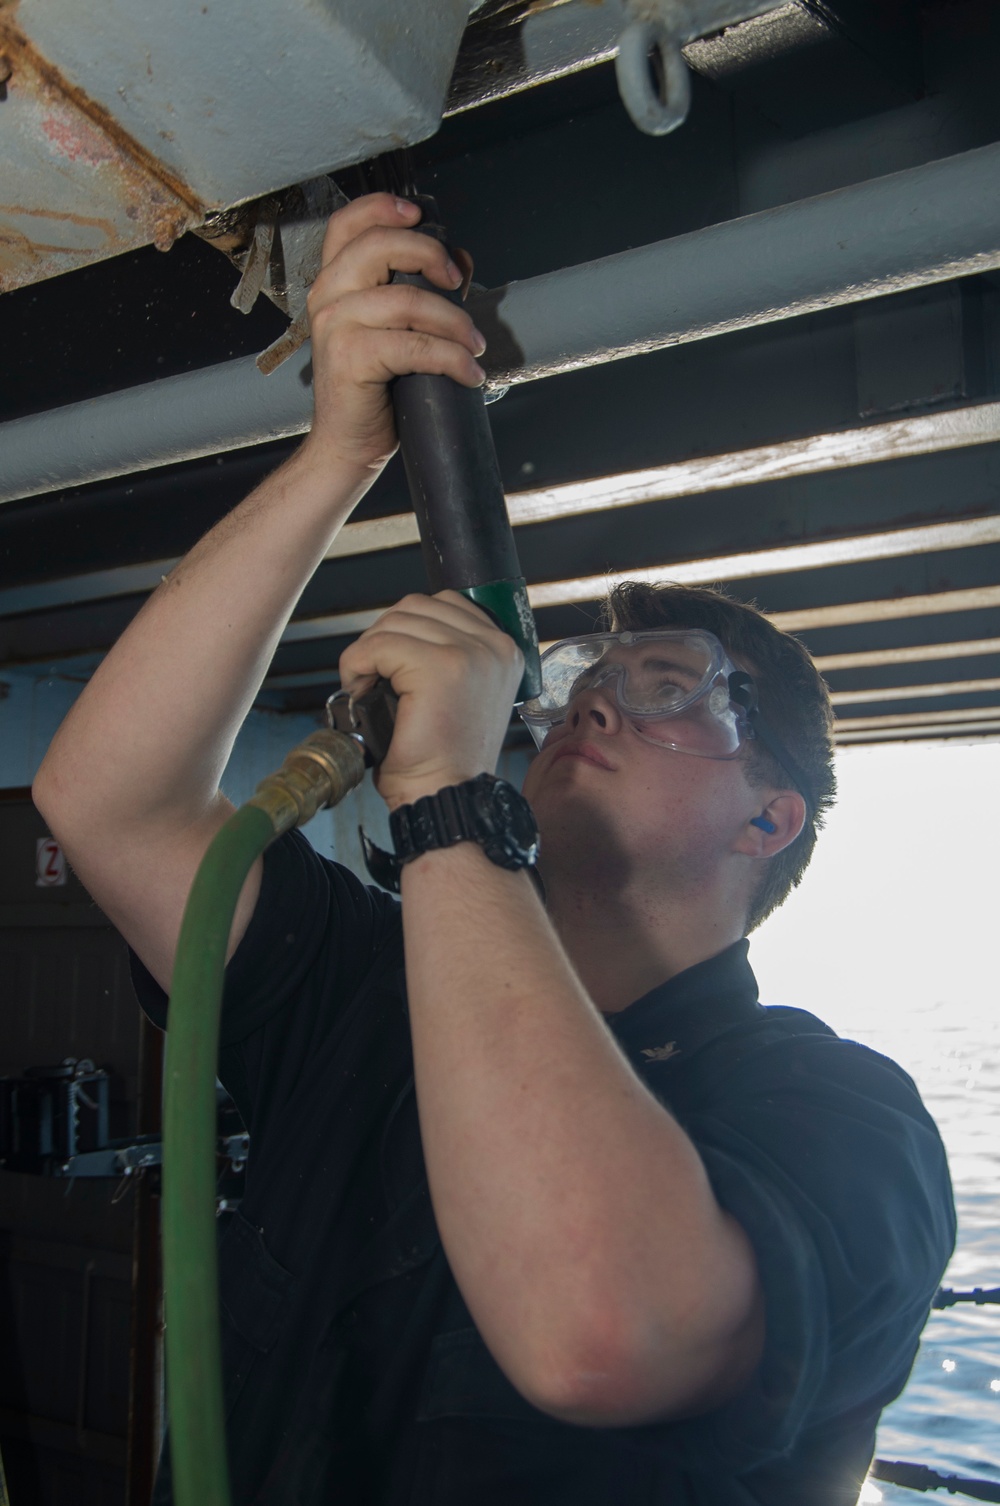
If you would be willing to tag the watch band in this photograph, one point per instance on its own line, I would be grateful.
(453, 814)
(433, 821)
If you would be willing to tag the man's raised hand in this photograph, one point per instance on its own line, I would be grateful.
(367, 330)
(456, 675)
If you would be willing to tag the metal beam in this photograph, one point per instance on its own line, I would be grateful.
(900, 542)
(103, 154)
(336, 625)
(960, 716)
(893, 609)
(837, 697)
(977, 732)
(182, 417)
(498, 59)
(44, 638)
(923, 225)
(965, 534)
(917, 653)
(913, 692)
(925, 434)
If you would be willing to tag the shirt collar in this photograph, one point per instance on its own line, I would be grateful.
(691, 1008)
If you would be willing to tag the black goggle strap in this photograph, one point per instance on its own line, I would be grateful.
(743, 693)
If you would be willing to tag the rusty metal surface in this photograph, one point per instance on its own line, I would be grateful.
(282, 257)
(125, 122)
(102, 193)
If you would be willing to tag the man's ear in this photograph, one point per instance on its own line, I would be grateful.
(774, 827)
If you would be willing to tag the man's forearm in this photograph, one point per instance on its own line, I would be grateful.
(151, 733)
(576, 1214)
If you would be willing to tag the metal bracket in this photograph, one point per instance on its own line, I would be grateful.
(653, 78)
(277, 244)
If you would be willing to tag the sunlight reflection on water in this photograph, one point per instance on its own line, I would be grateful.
(949, 1415)
(901, 907)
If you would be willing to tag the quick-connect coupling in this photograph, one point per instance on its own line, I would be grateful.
(318, 772)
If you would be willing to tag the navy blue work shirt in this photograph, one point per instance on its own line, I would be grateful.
(353, 1370)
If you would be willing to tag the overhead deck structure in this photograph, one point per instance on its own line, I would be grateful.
(763, 349)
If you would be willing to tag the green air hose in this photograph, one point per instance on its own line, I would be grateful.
(318, 773)
(194, 1366)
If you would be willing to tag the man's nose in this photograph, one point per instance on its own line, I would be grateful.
(595, 709)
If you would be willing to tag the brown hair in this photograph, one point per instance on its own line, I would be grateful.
(793, 700)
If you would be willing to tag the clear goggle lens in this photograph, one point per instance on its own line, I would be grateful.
(672, 686)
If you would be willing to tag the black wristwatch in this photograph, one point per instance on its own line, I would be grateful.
(486, 810)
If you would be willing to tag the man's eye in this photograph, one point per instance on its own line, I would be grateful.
(581, 683)
(671, 685)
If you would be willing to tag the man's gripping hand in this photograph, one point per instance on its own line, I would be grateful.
(456, 675)
(366, 329)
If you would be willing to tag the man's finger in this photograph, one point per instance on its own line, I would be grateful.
(391, 651)
(410, 308)
(429, 629)
(450, 608)
(476, 614)
(389, 643)
(370, 259)
(362, 214)
(466, 266)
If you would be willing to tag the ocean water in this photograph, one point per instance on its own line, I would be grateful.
(949, 1415)
(892, 939)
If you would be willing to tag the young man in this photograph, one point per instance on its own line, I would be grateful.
(542, 1206)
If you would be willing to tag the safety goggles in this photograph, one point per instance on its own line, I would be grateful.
(677, 688)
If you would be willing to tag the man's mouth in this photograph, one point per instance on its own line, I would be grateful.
(587, 751)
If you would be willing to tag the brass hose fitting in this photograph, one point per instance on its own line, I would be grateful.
(318, 772)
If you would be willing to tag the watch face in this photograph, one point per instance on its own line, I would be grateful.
(508, 817)
(518, 818)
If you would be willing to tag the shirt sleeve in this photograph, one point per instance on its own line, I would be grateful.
(824, 1153)
(314, 936)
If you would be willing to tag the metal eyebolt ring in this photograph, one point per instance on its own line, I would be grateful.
(653, 114)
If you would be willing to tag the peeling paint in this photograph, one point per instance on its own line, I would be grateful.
(79, 145)
(151, 117)
(79, 189)
(33, 245)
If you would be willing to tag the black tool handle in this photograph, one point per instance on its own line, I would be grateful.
(454, 480)
(465, 534)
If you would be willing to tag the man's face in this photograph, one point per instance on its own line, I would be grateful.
(609, 797)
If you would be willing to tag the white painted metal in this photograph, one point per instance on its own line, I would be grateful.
(238, 101)
(334, 625)
(227, 101)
